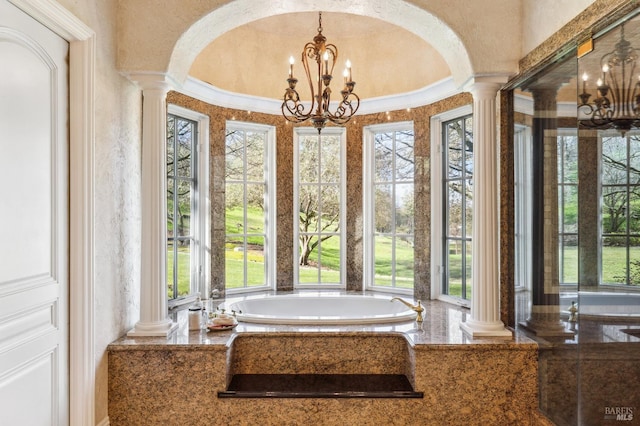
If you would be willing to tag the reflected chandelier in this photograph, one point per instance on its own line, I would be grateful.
(324, 55)
(617, 104)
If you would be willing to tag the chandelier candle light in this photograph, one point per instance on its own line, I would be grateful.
(617, 104)
(325, 56)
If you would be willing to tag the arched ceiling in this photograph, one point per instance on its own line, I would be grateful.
(253, 59)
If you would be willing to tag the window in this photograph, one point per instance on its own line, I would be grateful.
(458, 206)
(319, 191)
(522, 193)
(568, 206)
(187, 207)
(452, 205)
(620, 201)
(389, 206)
(249, 206)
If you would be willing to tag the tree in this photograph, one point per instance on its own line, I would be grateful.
(316, 223)
(179, 174)
(319, 192)
(460, 165)
(620, 173)
(244, 158)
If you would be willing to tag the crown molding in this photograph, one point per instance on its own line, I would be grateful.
(427, 95)
(524, 104)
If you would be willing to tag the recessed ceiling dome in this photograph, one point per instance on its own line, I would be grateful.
(253, 59)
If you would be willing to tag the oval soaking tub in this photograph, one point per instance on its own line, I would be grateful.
(296, 309)
(604, 304)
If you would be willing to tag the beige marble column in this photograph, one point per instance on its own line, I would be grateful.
(589, 227)
(485, 274)
(153, 286)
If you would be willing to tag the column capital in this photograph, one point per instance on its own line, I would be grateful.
(152, 81)
(485, 85)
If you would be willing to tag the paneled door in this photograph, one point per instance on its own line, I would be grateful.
(34, 197)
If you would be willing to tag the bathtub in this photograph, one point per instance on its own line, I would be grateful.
(604, 304)
(320, 310)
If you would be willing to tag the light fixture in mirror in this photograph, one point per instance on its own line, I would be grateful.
(616, 104)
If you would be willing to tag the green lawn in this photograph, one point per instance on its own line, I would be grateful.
(383, 263)
(184, 268)
(613, 261)
(328, 273)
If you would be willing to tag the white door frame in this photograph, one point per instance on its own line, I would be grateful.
(82, 49)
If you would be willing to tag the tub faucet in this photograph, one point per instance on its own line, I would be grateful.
(573, 312)
(418, 308)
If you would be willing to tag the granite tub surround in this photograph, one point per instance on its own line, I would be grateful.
(581, 379)
(176, 381)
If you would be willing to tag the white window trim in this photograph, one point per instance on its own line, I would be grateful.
(307, 131)
(270, 204)
(436, 203)
(368, 199)
(523, 206)
(201, 268)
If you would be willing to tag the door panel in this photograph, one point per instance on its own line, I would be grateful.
(33, 222)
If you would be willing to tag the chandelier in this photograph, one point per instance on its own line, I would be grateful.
(617, 103)
(324, 55)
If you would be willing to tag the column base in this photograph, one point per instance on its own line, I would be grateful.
(547, 329)
(486, 329)
(545, 322)
(155, 329)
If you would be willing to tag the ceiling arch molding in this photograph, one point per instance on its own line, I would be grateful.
(234, 14)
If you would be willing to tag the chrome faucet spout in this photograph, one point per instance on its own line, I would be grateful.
(417, 308)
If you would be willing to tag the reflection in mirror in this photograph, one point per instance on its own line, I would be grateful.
(577, 226)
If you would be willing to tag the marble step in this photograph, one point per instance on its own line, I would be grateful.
(320, 386)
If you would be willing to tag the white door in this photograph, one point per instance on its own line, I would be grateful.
(34, 256)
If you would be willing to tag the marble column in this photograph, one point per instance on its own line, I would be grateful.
(154, 320)
(484, 320)
(544, 319)
(589, 226)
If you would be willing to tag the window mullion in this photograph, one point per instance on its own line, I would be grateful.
(174, 216)
(394, 187)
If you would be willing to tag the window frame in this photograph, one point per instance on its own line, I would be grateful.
(342, 185)
(437, 205)
(368, 202)
(270, 197)
(200, 261)
(563, 184)
(627, 235)
(523, 207)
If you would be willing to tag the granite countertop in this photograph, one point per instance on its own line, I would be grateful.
(441, 327)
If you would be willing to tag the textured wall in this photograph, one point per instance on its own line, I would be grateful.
(163, 41)
(117, 191)
(542, 18)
